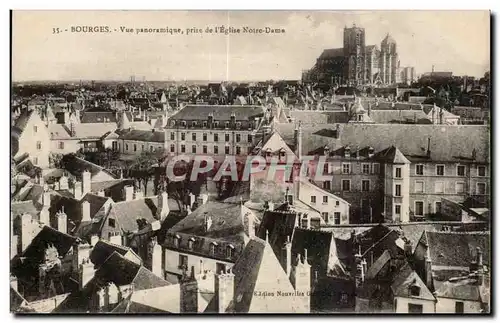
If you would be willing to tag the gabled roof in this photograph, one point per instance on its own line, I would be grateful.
(128, 212)
(103, 249)
(391, 155)
(23, 120)
(76, 166)
(98, 117)
(406, 278)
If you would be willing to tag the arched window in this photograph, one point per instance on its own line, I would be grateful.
(230, 251)
(191, 243)
(177, 241)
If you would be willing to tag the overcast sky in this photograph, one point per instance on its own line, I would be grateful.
(450, 40)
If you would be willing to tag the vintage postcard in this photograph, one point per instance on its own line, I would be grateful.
(175, 162)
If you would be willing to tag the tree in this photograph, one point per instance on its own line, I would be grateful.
(143, 167)
(55, 160)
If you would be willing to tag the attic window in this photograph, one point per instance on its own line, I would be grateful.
(191, 243)
(184, 123)
(213, 247)
(204, 124)
(216, 124)
(193, 124)
(238, 125)
(227, 124)
(414, 290)
(230, 251)
(177, 241)
(172, 123)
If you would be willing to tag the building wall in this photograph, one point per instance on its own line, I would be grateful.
(69, 146)
(447, 305)
(307, 191)
(35, 132)
(402, 304)
(135, 147)
(171, 263)
(199, 143)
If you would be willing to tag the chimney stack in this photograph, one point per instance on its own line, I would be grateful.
(189, 293)
(62, 222)
(44, 212)
(86, 211)
(86, 182)
(251, 225)
(85, 273)
(129, 192)
(208, 222)
(429, 147)
(428, 272)
(77, 190)
(288, 256)
(163, 208)
(224, 289)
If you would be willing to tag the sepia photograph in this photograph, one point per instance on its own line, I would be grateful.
(250, 162)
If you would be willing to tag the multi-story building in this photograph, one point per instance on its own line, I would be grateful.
(395, 171)
(30, 138)
(215, 130)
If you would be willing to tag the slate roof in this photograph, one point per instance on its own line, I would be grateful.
(128, 212)
(280, 225)
(103, 249)
(220, 112)
(399, 116)
(332, 53)
(144, 135)
(457, 248)
(448, 143)
(391, 155)
(98, 117)
(76, 166)
(320, 117)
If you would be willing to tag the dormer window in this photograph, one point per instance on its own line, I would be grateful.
(191, 243)
(177, 241)
(226, 124)
(204, 124)
(230, 251)
(238, 125)
(216, 124)
(268, 152)
(371, 151)
(213, 248)
(326, 150)
(172, 123)
(347, 152)
(193, 124)
(184, 124)
(414, 290)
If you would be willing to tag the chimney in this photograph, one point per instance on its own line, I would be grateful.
(208, 222)
(337, 131)
(189, 293)
(301, 281)
(101, 193)
(63, 183)
(44, 212)
(270, 206)
(428, 272)
(27, 230)
(86, 211)
(429, 147)
(94, 239)
(163, 208)
(113, 294)
(192, 199)
(62, 222)
(85, 272)
(224, 289)
(129, 192)
(156, 258)
(287, 256)
(251, 225)
(77, 190)
(85, 182)
(408, 248)
(138, 195)
(369, 109)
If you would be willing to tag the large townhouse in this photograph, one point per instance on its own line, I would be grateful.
(215, 130)
(398, 172)
(30, 139)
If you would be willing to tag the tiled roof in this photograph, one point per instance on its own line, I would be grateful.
(93, 130)
(144, 135)
(448, 143)
(220, 112)
(457, 249)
